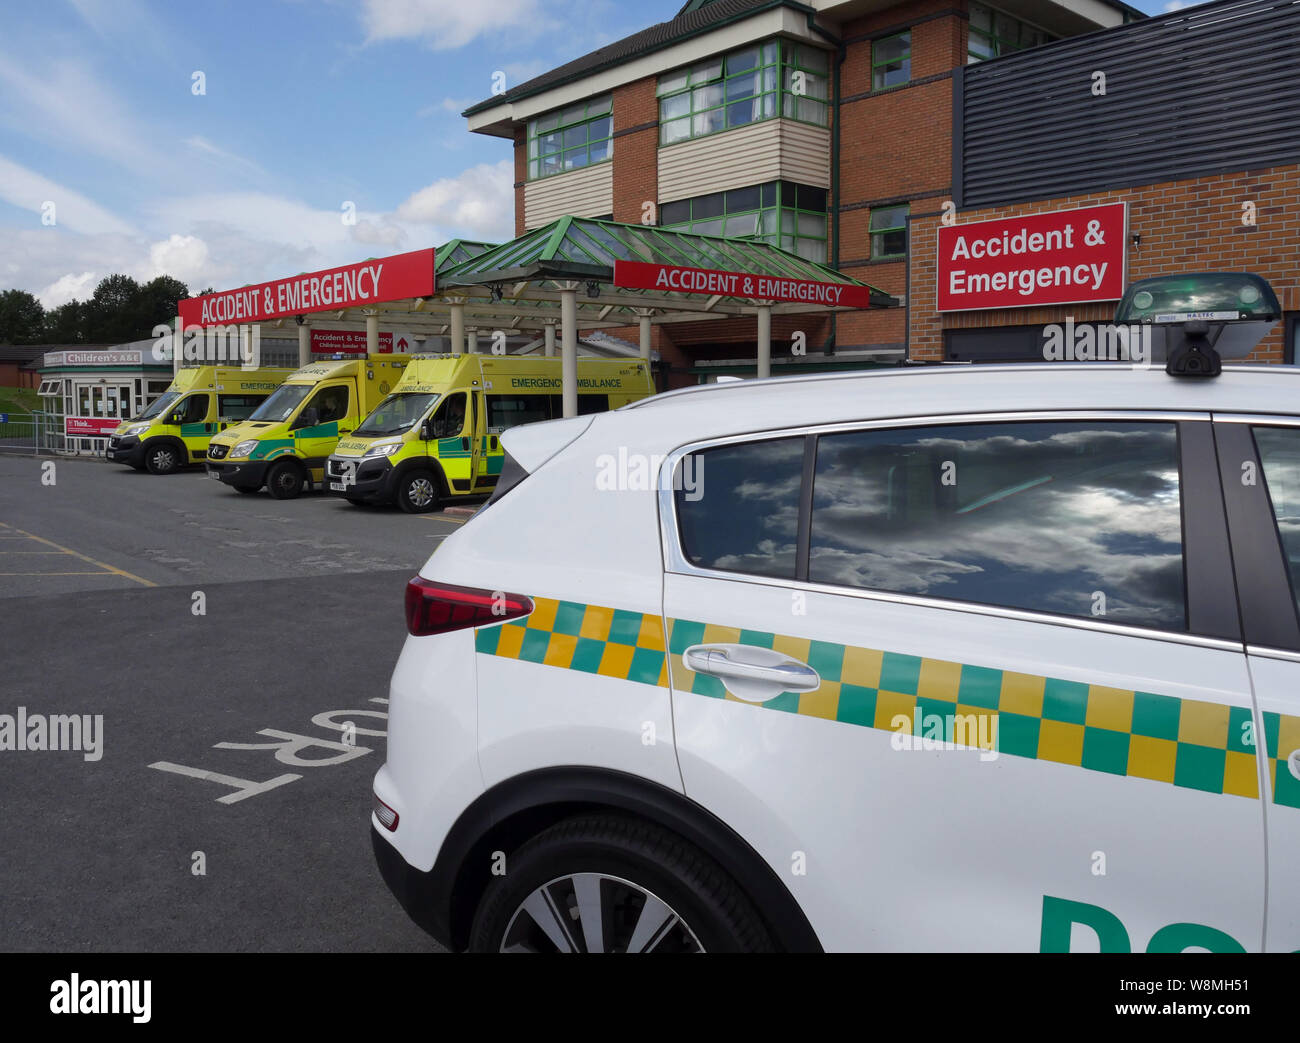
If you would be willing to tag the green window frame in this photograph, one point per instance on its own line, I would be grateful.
(787, 215)
(889, 232)
(993, 34)
(891, 61)
(577, 136)
(754, 83)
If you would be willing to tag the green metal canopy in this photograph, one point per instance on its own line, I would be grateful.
(458, 251)
(584, 249)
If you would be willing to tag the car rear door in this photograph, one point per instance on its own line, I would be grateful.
(971, 682)
(1260, 462)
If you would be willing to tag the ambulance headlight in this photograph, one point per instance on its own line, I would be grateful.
(384, 450)
(244, 448)
(137, 429)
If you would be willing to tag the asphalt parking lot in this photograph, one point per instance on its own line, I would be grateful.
(170, 840)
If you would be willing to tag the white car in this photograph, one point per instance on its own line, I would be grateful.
(990, 658)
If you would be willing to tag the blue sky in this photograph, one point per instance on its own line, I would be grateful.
(307, 105)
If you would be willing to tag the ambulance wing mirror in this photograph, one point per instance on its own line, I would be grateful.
(426, 429)
(309, 417)
(1198, 319)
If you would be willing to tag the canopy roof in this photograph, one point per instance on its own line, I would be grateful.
(586, 249)
(518, 285)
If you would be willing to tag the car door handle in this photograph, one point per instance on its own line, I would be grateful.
(750, 672)
(345, 430)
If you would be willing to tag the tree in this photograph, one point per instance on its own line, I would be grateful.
(22, 318)
(113, 310)
(67, 324)
(157, 303)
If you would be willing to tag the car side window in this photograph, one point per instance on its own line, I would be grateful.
(449, 420)
(196, 409)
(1279, 455)
(330, 403)
(738, 506)
(1076, 518)
(237, 407)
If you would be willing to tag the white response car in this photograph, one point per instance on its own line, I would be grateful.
(992, 658)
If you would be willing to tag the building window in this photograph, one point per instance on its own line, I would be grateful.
(891, 61)
(993, 33)
(740, 87)
(571, 138)
(782, 213)
(804, 91)
(889, 232)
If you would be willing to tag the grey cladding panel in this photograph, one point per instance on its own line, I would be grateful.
(1206, 90)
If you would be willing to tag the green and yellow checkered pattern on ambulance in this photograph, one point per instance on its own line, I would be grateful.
(1183, 742)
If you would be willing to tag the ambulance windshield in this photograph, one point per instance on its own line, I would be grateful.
(283, 401)
(396, 414)
(159, 404)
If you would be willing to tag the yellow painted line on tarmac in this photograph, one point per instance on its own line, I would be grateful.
(81, 557)
(436, 518)
(59, 574)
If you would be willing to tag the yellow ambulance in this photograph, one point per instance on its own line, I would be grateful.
(200, 402)
(285, 442)
(436, 437)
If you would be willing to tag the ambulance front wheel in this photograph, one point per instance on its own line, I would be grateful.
(284, 480)
(162, 458)
(418, 492)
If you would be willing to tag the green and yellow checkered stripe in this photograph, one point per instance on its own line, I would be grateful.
(611, 642)
(1184, 742)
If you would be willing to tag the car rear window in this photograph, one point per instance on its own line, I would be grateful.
(1072, 518)
(738, 507)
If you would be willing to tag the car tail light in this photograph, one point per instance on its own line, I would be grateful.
(387, 816)
(437, 608)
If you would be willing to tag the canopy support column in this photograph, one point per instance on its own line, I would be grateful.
(304, 341)
(549, 332)
(178, 345)
(372, 332)
(458, 327)
(569, 350)
(643, 321)
(764, 341)
(471, 346)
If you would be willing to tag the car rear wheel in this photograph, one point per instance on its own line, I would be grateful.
(418, 492)
(284, 480)
(162, 458)
(605, 883)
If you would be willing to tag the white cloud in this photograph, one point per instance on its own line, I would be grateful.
(1180, 5)
(444, 25)
(210, 152)
(67, 105)
(31, 191)
(66, 287)
(181, 256)
(477, 202)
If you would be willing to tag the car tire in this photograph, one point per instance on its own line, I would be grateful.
(656, 893)
(418, 492)
(162, 458)
(284, 480)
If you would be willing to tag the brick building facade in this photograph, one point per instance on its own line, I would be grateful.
(894, 144)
